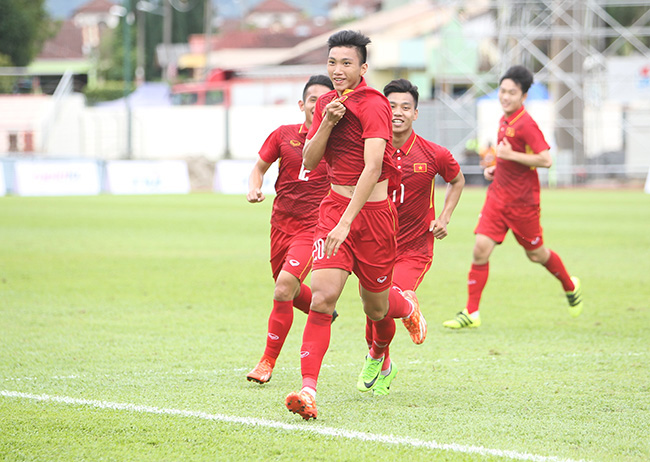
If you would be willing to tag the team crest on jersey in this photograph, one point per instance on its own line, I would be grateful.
(420, 167)
(510, 132)
(295, 143)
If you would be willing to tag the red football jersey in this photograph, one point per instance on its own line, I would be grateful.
(367, 115)
(420, 161)
(299, 191)
(514, 183)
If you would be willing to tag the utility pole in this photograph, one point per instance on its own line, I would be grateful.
(128, 78)
(167, 37)
(207, 35)
(140, 22)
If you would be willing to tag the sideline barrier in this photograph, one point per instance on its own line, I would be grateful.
(56, 178)
(231, 177)
(647, 183)
(147, 177)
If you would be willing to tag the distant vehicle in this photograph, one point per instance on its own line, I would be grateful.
(212, 91)
(265, 86)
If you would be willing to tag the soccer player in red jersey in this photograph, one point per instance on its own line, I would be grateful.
(512, 200)
(357, 222)
(419, 161)
(293, 221)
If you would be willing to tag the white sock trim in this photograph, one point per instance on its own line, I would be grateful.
(310, 390)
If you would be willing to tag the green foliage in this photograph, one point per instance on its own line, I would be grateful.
(24, 27)
(627, 16)
(183, 25)
(6, 82)
(163, 301)
(107, 91)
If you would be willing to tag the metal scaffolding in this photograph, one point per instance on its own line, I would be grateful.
(567, 44)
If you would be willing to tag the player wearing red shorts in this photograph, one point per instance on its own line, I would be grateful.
(293, 220)
(512, 200)
(419, 161)
(357, 222)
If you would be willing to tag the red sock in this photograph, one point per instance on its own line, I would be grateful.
(476, 280)
(280, 322)
(315, 341)
(398, 306)
(303, 300)
(368, 331)
(386, 365)
(369, 336)
(555, 266)
(382, 334)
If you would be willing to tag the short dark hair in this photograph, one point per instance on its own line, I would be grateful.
(402, 86)
(521, 76)
(350, 39)
(317, 80)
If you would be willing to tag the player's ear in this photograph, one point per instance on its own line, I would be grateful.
(364, 69)
(301, 105)
(415, 114)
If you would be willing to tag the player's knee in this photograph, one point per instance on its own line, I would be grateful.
(536, 256)
(480, 255)
(283, 292)
(287, 287)
(374, 311)
(322, 302)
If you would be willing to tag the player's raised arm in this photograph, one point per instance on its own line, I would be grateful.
(541, 159)
(315, 147)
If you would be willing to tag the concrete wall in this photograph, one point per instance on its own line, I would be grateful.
(209, 132)
(167, 132)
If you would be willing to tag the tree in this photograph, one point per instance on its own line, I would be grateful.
(24, 27)
(184, 23)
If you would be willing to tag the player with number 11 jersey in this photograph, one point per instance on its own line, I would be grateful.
(419, 161)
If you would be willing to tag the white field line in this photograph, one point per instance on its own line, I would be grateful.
(305, 427)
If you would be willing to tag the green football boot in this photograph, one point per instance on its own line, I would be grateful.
(382, 387)
(463, 319)
(575, 298)
(369, 374)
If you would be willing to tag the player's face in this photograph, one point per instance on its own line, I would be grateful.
(344, 68)
(511, 96)
(311, 96)
(404, 112)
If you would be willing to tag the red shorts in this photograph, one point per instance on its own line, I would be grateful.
(410, 270)
(524, 221)
(369, 249)
(291, 252)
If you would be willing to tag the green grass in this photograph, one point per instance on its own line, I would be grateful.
(163, 301)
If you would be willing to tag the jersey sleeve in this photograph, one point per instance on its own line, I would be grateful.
(270, 150)
(448, 167)
(317, 119)
(534, 138)
(375, 117)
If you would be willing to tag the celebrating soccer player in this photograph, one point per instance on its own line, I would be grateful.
(419, 161)
(293, 221)
(357, 222)
(512, 200)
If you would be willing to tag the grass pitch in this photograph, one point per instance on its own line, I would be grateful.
(127, 325)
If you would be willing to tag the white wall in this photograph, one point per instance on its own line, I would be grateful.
(178, 132)
(170, 132)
